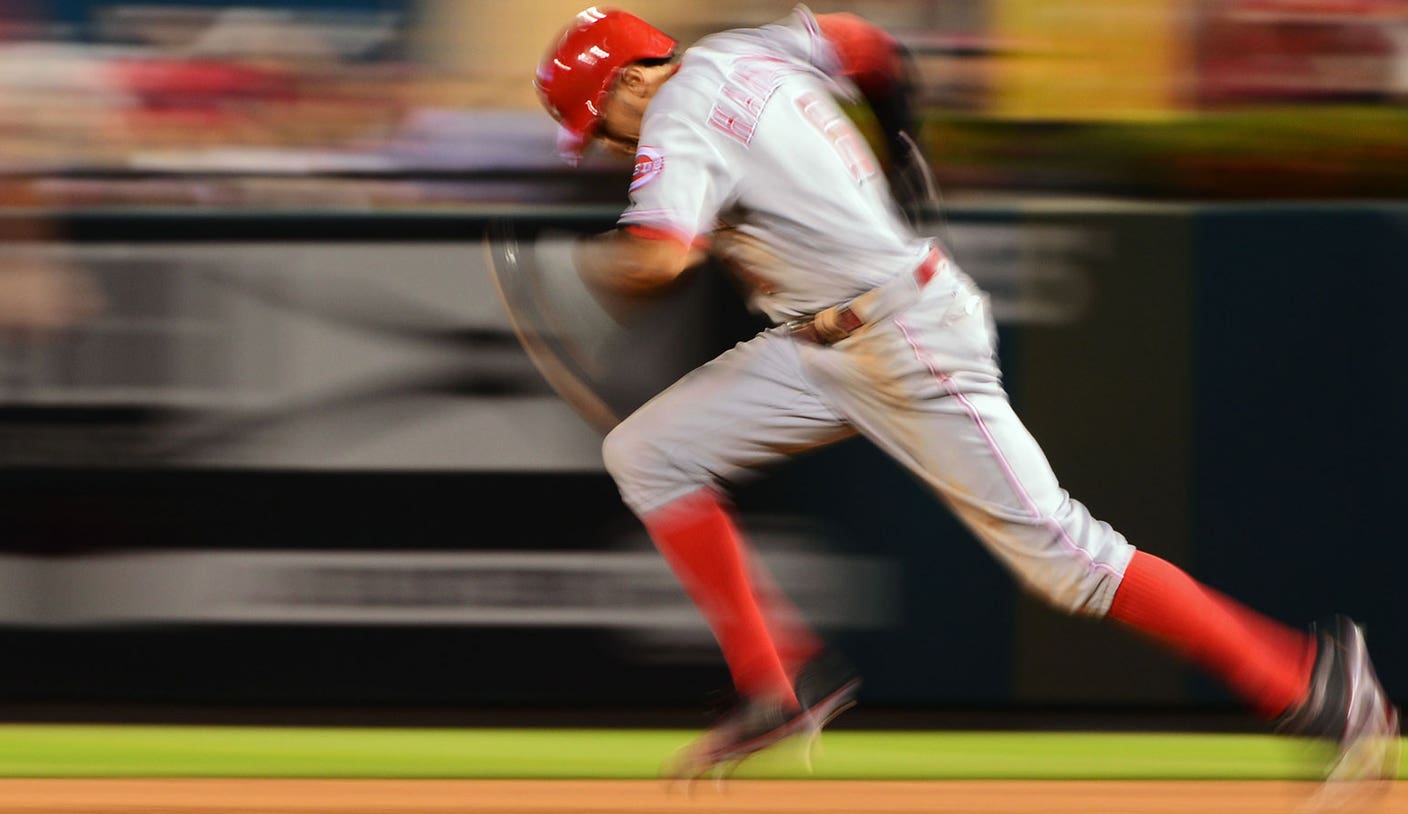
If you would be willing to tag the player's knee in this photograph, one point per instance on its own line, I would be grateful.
(622, 452)
(1081, 590)
(652, 467)
(1072, 603)
(638, 464)
(1070, 560)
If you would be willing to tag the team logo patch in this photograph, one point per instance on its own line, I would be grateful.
(649, 162)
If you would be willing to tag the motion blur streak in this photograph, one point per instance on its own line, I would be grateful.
(362, 104)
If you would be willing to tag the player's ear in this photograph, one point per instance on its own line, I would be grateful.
(633, 80)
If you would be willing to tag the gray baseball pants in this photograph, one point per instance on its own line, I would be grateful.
(924, 385)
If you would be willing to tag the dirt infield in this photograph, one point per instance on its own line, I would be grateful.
(637, 797)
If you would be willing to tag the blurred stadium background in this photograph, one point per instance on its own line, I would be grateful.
(270, 452)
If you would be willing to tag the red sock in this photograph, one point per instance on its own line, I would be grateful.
(706, 552)
(1264, 661)
(792, 637)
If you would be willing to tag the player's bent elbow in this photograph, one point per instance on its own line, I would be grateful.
(655, 263)
(648, 279)
(631, 265)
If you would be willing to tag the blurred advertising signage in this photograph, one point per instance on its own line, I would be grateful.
(1033, 274)
(284, 354)
(1300, 50)
(369, 356)
(613, 590)
(1363, 9)
(1088, 60)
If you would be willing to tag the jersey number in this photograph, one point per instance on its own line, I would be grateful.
(838, 130)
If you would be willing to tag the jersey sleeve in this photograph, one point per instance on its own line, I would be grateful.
(683, 178)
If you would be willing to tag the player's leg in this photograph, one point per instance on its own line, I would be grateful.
(927, 390)
(1322, 685)
(672, 458)
(793, 638)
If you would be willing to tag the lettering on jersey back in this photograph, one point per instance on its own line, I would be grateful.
(744, 95)
(838, 130)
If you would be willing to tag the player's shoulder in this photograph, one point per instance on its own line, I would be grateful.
(691, 89)
(708, 64)
(686, 100)
(796, 38)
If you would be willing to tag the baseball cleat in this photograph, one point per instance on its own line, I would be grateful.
(825, 687)
(750, 727)
(1346, 705)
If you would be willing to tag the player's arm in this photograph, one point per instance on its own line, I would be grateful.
(880, 68)
(680, 183)
(626, 262)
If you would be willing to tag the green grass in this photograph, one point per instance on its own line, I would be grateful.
(199, 751)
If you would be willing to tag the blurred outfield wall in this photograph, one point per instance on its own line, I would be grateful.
(301, 459)
(393, 104)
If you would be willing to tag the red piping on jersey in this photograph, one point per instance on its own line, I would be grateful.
(1034, 511)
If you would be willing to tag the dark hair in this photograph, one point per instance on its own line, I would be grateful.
(654, 61)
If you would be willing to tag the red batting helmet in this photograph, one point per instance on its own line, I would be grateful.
(578, 71)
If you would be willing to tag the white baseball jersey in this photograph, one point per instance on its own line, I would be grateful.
(748, 133)
(748, 129)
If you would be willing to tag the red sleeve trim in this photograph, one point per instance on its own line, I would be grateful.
(665, 233)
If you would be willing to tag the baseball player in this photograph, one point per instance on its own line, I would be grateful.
(741, 149)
